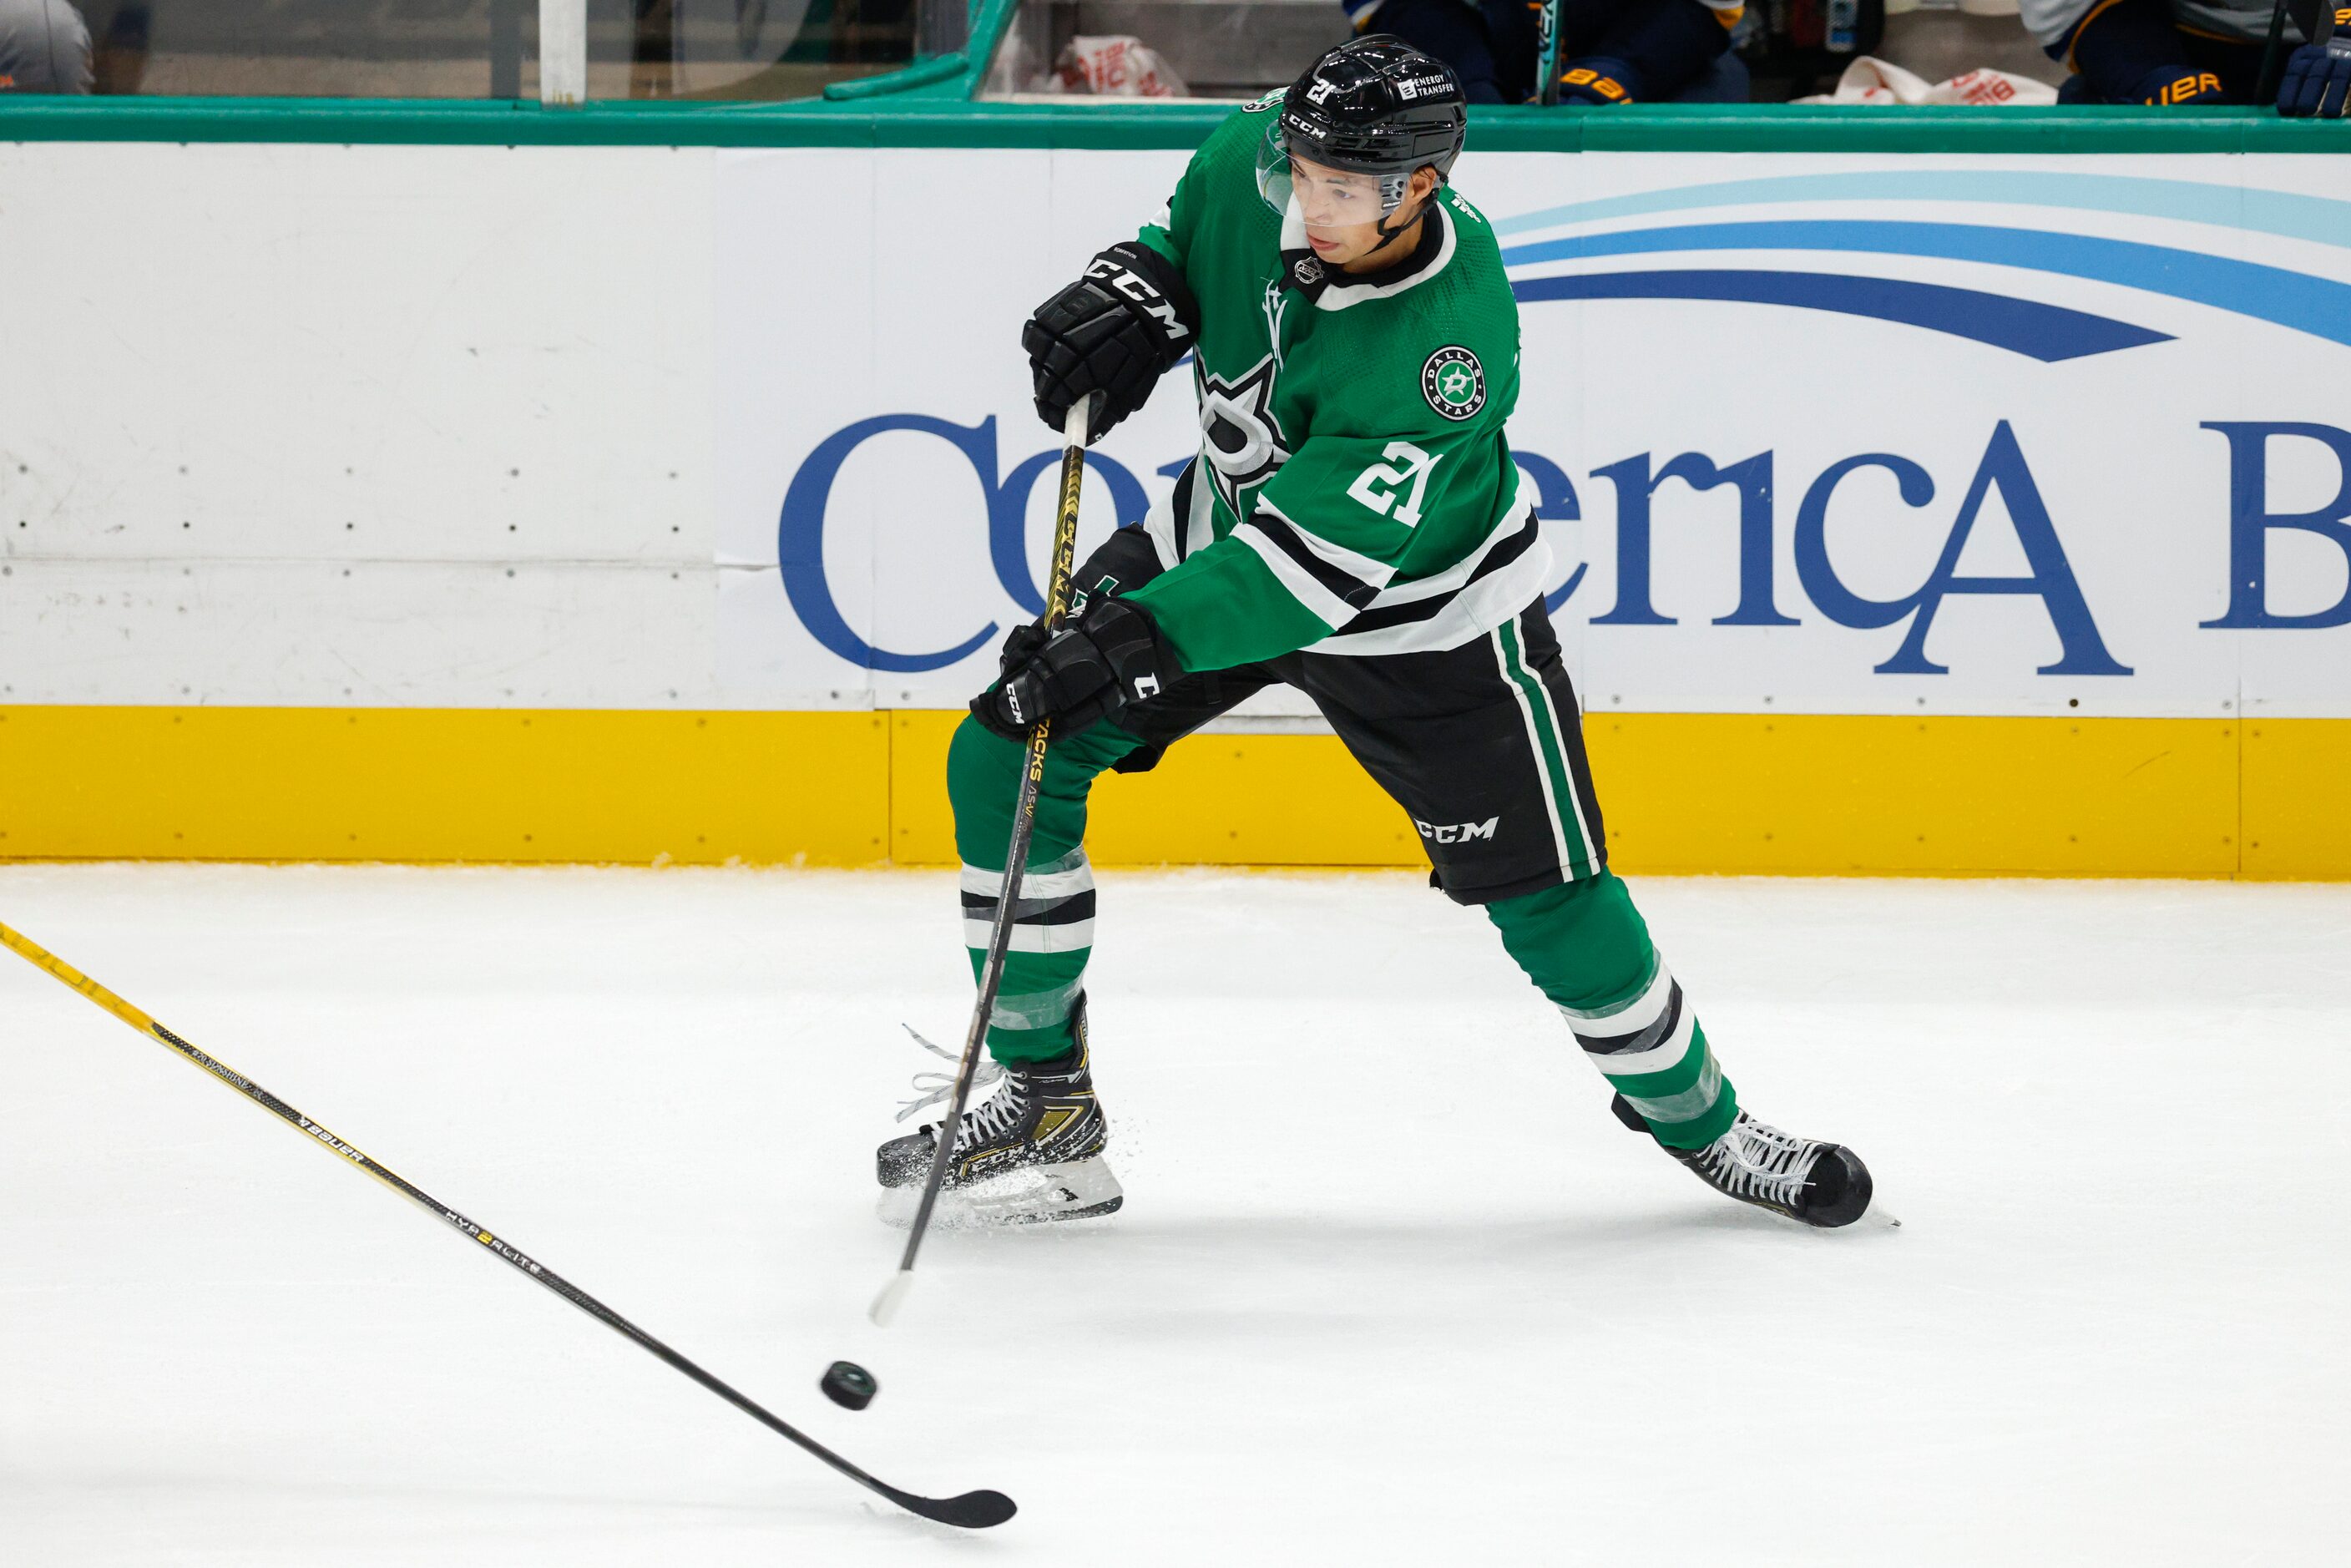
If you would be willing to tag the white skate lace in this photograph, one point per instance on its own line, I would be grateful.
(982, 1121)
(1755, 1159)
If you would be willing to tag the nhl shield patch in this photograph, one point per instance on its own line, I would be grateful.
(1454, 382)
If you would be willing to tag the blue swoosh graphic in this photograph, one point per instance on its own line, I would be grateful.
(2322, 220)
(2317, 306)
(2046, 332)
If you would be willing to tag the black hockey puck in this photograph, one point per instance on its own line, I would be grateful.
(849, 1385)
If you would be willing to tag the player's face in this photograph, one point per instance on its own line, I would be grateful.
(1343, 211)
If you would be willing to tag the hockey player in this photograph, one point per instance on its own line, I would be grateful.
(2181, 52)
(1352, 526)
(1611, 51)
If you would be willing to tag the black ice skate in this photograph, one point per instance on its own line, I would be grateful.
(1822, 1185)
(1032, 1151)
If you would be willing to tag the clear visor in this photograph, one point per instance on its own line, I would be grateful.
(1327, 198)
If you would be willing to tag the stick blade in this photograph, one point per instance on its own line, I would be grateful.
(885, 1308)
(972, 1511)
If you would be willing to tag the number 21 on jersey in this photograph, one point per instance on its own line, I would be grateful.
(1414, 473)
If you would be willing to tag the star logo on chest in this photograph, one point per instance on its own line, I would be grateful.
(1241, 438)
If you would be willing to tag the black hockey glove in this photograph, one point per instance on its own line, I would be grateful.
(1115, 331)
(1089, 670)
(1120, 564)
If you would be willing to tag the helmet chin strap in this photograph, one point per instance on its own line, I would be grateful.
(1390, 233)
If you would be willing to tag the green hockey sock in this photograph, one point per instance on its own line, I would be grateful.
(1585, 947)
(1053, 924)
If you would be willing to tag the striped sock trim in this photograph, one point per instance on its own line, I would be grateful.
(1662, 1046)
(1067, 928)
(1055, 913)
(1045, 879)
(1652, 1052)
(1646, 1032)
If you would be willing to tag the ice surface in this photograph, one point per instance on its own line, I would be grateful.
(1390, 1286)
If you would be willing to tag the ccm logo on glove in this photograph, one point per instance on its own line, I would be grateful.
(1089, 670)
(1114, 331)
(1154, 304)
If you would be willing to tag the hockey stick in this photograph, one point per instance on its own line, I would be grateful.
(2318, 27)
(972, 1511)
(2265, 86)
(1016, 865)
(1547, 52)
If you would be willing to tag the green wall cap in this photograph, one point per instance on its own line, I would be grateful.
(881, 111)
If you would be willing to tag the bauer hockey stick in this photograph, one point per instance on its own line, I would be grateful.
(972, 1511)
(1016, 864)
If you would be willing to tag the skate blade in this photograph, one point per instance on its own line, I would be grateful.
(1034, 1195)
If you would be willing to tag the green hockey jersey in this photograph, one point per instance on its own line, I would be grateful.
(1353, 493)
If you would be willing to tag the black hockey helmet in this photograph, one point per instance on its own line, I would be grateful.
(1374, 106)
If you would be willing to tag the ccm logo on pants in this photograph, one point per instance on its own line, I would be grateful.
(1458, 833)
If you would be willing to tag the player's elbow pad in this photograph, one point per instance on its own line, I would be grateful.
(1114, 331)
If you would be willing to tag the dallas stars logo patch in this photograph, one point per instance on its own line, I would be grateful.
(1454, 382)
